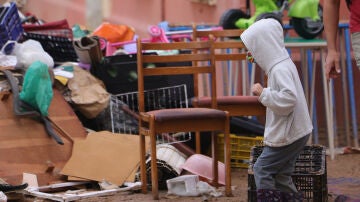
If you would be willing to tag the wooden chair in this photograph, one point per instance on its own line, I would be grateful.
(225, 40)
(153, 123)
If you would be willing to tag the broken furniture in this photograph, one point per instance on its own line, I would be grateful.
(156, 122)
(21, 108)
(28, 147)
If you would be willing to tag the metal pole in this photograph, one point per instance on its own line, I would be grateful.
(328, 108)
(345, 88)
(94, 13)
(351, 86)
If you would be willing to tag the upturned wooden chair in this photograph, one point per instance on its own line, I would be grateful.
(227, 46)
(153, 123)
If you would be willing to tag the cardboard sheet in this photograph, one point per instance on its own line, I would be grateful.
(104, 156)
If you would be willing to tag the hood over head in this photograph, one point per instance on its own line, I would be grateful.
(265, 40)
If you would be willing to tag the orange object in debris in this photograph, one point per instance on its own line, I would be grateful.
(114, 33)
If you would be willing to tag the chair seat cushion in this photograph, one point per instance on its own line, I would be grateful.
(187, 113)
(227, 100)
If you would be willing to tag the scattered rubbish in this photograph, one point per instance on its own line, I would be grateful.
(171, 155)
(184, 185)
(3, 197)
(105, 185)
(72, 194)
(169, 162)
(190, 185)
(6, 187)
(30, 179)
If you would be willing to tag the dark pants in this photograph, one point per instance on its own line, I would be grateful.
(275, 165)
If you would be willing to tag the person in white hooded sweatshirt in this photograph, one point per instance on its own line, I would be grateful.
(288, 124)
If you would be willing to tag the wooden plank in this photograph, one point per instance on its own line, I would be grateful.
(26, 147)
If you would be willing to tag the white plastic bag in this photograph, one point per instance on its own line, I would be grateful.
(3, 197)
(7, 60)
(28, 52)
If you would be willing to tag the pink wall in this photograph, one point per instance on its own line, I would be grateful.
(139, 14)
(52, 10)
(136, 13)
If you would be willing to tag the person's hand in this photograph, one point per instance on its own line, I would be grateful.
(257, 89)
(332, 65)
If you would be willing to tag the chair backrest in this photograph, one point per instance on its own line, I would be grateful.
(229, 54)
(225, 50)
(154, 59)
(223, 34)
(227, 43)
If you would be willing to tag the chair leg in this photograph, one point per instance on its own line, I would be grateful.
(227, 157)
(215, 168)
(142, 164)
(154, 169)
(197, 142)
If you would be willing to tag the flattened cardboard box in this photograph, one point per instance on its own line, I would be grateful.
(104, 156)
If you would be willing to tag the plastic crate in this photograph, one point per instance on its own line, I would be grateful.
(10, 24)
(240, 149)
(61, 49)
(310, 175)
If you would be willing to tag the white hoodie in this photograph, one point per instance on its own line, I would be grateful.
(287, 115)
